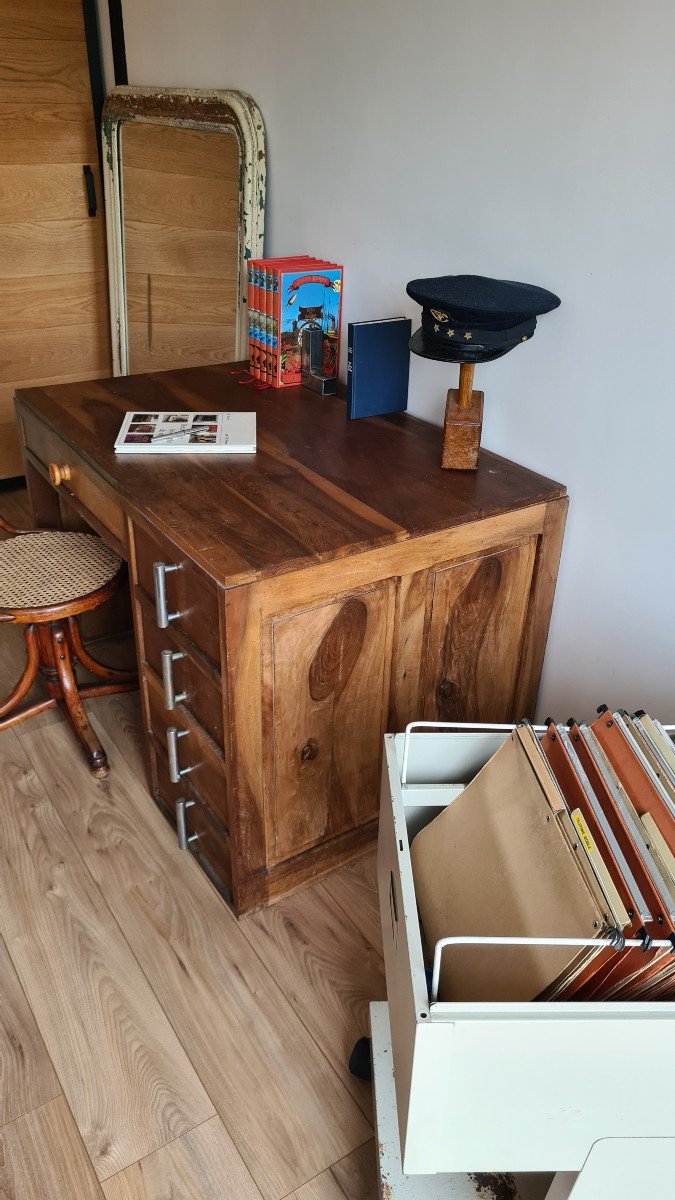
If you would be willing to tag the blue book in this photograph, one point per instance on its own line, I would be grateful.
(378, 365)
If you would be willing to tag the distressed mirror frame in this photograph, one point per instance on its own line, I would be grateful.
(229, 111)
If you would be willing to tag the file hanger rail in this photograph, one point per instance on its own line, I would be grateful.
(454, 727)
(614, 940)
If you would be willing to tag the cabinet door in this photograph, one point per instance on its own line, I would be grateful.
(478, 617)
(330, 679)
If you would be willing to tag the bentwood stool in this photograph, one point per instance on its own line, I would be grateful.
(47, 578)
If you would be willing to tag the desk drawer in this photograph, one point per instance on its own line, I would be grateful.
(194, 752)
(78, 481)
(212, 841)
(190, 674)
(189, 593)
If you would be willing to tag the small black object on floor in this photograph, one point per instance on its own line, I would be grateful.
(360, 1062)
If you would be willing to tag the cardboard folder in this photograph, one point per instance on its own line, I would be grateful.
(500, 861)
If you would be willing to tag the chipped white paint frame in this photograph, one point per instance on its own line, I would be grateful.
(229, 111)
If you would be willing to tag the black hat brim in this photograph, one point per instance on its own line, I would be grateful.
(456, 353)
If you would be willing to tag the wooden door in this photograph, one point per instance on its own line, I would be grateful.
(330, 683)
(54, 323)
(180, 192)
(478, 620)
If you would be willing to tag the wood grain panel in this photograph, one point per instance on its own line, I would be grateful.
(181, 215)
(42, 131)
(54, 301)
(42, 1158)
(11, 463)
(287, 1112)
(328, 971)
(126, 1077)
(201, 1165)
(37, 248)
(178, 301)
(330, 679)
(61, 66)
(413, 602)
(208, 206)
(353, 1178)
(48, 134)
(183, 345)
(44, 192)
(72, 347)
(158, 148)
(549, 549)
(27, 1077)
(42, 20)
(169, 250)
(475, 637)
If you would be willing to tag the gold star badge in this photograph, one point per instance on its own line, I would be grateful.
(468, 336)
(436, 328)
(451, 333)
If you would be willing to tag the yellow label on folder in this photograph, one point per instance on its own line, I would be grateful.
(583, 832)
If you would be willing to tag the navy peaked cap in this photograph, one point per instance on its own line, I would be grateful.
(470, 318)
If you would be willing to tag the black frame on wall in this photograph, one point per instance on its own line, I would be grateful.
(117, 38)
(95, 63)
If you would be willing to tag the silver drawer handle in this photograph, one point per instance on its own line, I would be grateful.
(175, 771)
(160, 571)
(169, 657)
(181, 829)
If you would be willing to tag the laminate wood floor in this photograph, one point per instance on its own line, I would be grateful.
(151, 1046)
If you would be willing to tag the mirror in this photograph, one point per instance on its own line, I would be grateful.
(185, 195)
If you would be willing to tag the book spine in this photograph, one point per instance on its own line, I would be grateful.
(263, 321)
(251, 302)
(257, 326)
(276, 274)
(350, 371)
(268, 323)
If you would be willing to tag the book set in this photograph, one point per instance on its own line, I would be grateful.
(294, 321)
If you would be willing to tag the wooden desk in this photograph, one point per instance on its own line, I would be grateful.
(335, 585)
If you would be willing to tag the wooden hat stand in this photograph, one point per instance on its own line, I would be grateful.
(463, 423)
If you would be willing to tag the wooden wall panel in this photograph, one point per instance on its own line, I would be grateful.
(181, 204)
(330, 682)
(54, 321)
(478, 616)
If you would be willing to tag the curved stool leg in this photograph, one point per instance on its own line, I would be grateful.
(25, 683)
(90, 664)
(77, 717)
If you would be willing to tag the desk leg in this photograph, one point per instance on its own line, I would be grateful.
(44, 502)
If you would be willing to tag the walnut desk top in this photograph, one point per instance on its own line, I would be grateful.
(320, 487)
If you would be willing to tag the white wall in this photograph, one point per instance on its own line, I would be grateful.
(528, 139)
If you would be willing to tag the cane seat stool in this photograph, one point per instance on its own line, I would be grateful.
(47, 579)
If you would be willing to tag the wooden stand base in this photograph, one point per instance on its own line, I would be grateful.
(461, 432)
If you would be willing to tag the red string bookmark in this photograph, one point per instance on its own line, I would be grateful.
(249, 380)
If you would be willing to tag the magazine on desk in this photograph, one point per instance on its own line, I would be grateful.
(187, 433)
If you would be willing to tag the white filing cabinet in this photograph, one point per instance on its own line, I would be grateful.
(500, 1087)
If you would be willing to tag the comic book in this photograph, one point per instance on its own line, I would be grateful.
(309, 299)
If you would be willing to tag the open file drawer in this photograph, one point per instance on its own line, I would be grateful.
(483, 1087)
